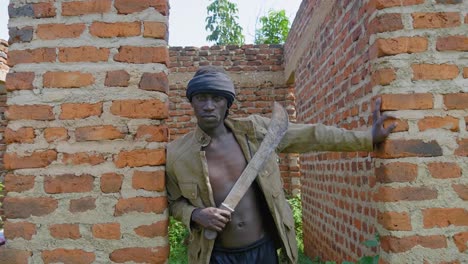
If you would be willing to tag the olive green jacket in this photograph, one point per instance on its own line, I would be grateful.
(188, 184)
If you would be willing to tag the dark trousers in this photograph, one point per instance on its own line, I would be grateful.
(262, 251)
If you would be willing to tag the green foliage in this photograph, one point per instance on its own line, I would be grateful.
(274, 28)
(222, 23)
(296, 206)
(177, 237)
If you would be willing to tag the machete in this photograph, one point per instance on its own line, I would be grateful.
(276, 130)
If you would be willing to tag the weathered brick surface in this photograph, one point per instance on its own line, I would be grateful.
(141, 255)
(153, 230)
(76, 110)
(395, 221)
(149, 180)
(443, 217)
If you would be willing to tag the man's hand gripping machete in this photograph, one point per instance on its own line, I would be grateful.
(276, 130)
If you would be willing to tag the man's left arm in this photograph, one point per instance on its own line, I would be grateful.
(302, 138)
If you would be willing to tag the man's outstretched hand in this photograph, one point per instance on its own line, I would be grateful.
(379, 133)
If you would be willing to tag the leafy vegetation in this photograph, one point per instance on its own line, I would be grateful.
(222, 22)
(274, 28)
(177, 241)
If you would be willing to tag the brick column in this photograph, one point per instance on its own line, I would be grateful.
(419, 67)
(86, 134)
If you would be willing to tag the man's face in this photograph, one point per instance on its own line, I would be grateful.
(210, 110)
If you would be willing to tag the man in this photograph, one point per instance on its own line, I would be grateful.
(203, 165)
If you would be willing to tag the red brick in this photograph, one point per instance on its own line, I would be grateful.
(397, 172)
(18, 183)
(75, 256)
(140, 157)
(156, 30)
(390, 194)
(408, 148)
(77, 8)
(16, 207)
(83, 158)
(158, 229)
(31, 112)
(68, 183)
(394, 46)
(462, 149)
(19, 81)
(119, 29)
(149, 180)
(131, 54)
(11, 255)
(156, 255)
(461, 240)
(152, 133)
(387, 23)
(153, 108)
(458, 43)
(22, 135)
(95, 133)
(154, 82)
(24, 230)
(39, 55)
(43, 10)
(155, 205)
(65, 231)
(117, 78)
(436, 20)
(82, 204)
(59, 31)
(395, 221)
(20, 34)
(407, 101)
(456, 101)
(106, 231)
(83, 54)
(67, 79)
(80, 110)
(434, 71)
(461, 190)
(38, 159)
(435, 122)
(381, 4)
(383, 76)
(111, 182)
(52, 134)
(131, 6)
(398, 245)
(444, 217)
(444, 170)
(465, 72)
(402, 125)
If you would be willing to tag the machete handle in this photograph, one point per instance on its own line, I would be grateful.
(211, 234)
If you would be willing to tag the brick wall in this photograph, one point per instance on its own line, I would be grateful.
(258, 75)
(412, 191)
(3, 72)
(87, 103)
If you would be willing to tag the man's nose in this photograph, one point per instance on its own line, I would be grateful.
(209, 104)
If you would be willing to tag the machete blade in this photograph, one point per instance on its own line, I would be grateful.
(276, 130)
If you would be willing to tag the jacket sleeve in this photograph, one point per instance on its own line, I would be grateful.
(302, 138)
(179, 206)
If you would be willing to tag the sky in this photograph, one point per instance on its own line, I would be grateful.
(187, 19)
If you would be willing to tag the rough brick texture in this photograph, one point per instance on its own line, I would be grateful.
(340, 55)
(75, 112)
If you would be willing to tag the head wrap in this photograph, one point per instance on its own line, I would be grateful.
(213, 82)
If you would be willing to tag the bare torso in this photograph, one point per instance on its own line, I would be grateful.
(225, 164)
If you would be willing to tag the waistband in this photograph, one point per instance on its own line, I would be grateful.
(254, 245)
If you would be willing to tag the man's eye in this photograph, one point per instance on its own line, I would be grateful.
(218, 98)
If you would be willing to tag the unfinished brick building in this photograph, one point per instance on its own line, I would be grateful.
(94, 94)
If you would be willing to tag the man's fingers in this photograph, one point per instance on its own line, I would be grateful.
(376, 113)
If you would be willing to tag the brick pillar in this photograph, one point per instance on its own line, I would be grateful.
(419, 68)
(3, 72)
(86, 134)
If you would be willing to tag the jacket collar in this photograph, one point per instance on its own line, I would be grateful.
(237, 126)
